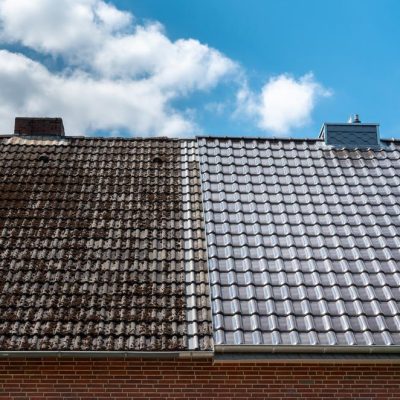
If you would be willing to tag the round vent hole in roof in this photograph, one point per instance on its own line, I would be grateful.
(44, 158)
(157, 160)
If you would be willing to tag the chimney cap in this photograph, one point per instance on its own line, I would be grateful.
(354, 119)
(29, 126)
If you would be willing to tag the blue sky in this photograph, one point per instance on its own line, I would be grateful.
(254, 67)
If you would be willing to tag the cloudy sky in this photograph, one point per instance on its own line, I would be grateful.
(187, 67)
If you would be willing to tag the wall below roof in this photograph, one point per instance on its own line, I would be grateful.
(193, 379)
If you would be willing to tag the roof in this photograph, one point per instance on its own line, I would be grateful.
(102, 245)
(303, 242)
(126, 244)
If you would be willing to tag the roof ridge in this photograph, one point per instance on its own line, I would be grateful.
(66, 137)
(183, 139)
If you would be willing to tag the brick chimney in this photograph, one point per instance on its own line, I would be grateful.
(27, 126)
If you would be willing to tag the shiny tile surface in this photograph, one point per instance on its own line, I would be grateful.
(303, 242)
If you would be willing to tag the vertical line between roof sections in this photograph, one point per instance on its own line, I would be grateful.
(200, 166)
(188, 246)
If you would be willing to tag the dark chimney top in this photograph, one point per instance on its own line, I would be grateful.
(39, 127)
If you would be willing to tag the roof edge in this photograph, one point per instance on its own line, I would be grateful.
(107, 354)
(125, 138)
(339, 358)
(183, 139)
(306, 349)
(307, 354)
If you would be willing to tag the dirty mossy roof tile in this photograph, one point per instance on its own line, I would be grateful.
(92, 246)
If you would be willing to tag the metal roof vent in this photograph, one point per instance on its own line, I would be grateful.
(39, 127)
(351, 135)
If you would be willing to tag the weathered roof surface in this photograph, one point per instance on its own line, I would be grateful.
(98, 250)
(303, 242)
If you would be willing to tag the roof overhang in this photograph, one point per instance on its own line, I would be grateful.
(304, 353)
(107, 354)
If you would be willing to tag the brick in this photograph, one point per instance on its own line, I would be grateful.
(191, 379)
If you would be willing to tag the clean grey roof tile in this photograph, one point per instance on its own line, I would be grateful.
(304, 242)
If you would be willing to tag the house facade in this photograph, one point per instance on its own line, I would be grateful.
(199, 268)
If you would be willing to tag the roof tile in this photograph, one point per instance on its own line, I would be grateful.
(303, 242)
(101, 246)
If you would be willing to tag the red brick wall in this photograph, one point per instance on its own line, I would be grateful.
(159, 379)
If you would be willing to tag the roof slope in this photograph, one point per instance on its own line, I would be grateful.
(303, 242)
(97, 249)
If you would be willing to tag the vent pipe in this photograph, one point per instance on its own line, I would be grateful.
(354, 119)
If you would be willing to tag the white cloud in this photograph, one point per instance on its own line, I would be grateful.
(284, 103)
(112, 19)
(71, 28)
(87, 104)
(180, 66)
(118, 74)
